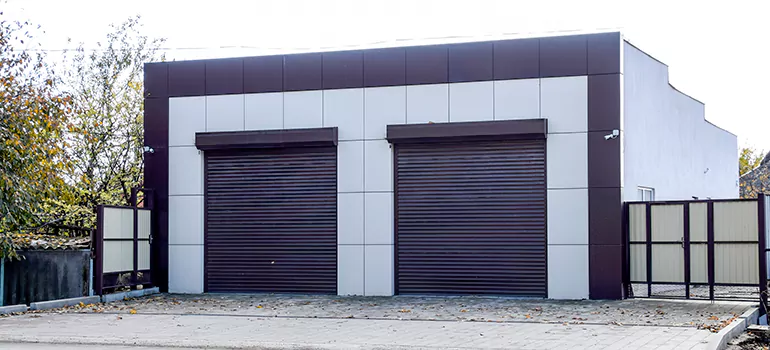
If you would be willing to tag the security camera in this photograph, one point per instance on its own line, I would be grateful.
(614, 135)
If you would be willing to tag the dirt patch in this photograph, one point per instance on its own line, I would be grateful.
(750, 341)
(703, 315)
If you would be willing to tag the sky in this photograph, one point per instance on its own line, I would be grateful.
(717, 51)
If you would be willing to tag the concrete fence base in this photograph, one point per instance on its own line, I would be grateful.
(55, 304)
(108, 298)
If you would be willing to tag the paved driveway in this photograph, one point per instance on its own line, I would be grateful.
(268, 321)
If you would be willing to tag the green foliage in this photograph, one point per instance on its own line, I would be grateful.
(33, 119)
(755, 173)
(749, 159)
(107, 88)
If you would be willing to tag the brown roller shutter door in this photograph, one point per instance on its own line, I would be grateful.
(271, 220)
(471, 218)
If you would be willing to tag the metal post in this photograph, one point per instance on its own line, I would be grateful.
(686, 246)
(648, 227)
(710, 254)
(97, 242)
(762, 213)
(2, 281)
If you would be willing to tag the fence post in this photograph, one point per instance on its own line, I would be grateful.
(711, 250)
(686, 246)
(762, 215)
(97, 244)
(648, 227)
(2, 281)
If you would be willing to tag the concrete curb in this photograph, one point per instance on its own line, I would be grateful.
(108, 298)
(55, 304)
(719, 340)
(13, 309)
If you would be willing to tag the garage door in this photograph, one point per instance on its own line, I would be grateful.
(271, 220)
(471, 218)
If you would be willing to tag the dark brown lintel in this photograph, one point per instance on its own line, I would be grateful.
(491, 130)
(208, 141)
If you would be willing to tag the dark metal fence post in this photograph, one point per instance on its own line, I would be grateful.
(686, 246)
(97, 242)
(135, 272)
(710, 251)
(627, 289)
(648, 227)
(762, 214)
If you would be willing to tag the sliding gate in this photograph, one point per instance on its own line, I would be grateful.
(702, 249)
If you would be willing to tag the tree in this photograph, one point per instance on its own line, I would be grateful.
(754, 169)
(33, 119)
(748, 160)
(107, 87)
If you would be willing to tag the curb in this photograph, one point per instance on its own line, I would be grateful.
(55, 304)
(108, 298)
(719, 340)
(13, 309)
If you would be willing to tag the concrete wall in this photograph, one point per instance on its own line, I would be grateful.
(668, 145)
(365, 198)
(44, 275)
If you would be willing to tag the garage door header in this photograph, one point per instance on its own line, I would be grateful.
(492, 130)
(314, 137)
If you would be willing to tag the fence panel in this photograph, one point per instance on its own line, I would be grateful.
(697, 249)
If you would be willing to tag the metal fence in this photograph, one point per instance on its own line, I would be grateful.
(701, 249)
(122, 245)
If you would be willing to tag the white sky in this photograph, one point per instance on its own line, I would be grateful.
(717, 51)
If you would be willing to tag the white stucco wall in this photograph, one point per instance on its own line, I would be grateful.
(668, 145)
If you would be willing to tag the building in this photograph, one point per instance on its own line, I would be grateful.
(469, 168)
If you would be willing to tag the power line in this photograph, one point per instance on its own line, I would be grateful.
(375, 44)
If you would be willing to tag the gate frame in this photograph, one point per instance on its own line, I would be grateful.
(97, 242)
(761, 243)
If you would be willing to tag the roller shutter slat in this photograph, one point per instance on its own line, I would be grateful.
(471, 218)
(271, 221)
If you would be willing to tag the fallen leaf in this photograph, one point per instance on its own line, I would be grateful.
(81, 304)
(133, 312)
(259, 306)
(463, 310)
(404, 310)
(713, 318)
(528, 316)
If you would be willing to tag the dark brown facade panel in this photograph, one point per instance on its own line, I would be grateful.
(187, 78)
(156, 80)
(517, 59)
(156, 175)
(606, 272)
(605, 216)
(492, 130)
(224, 76)
(604, 102)
(426, 64)
(563, 56)
(471, 62)
(385, 67)
(209, 141)
(263, 74)
(156, 122)
(303, 72)
(603, 53)
(603, 160)
(343, 69)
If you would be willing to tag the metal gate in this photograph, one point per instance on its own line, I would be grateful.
(122, 244)
(702, 249)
